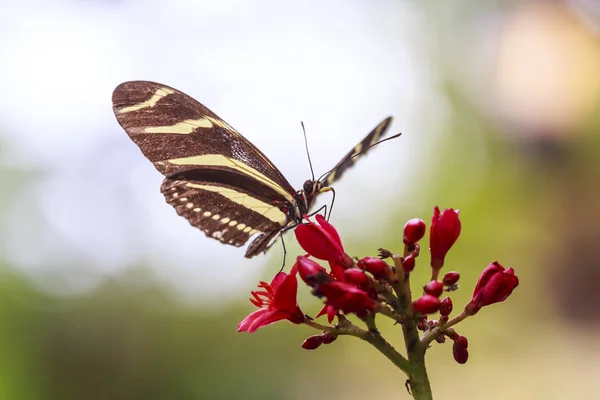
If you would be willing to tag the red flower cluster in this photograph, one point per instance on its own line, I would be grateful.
(372, 286)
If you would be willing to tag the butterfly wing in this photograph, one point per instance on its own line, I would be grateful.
(349, 159)
(214, 177)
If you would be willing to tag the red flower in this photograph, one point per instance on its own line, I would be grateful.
(414, 230)
(322, 241)
(445, 228)
(494, 285)
(278, 300)
(346, 297)
(330, 311)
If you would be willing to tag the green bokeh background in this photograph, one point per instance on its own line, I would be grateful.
(537, 211)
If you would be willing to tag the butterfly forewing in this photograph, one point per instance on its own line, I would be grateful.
(178, 134)
(349, 159)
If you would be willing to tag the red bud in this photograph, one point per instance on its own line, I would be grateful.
(427, 304)
(445, 229)
(408, 263)
(414, 230)
(450, 278)
(446, 306)
(356, 277)
(375, 266)
(346, 297)
(459, 349)
(312, 342)
(311, 272)
(321, 240)
(434, 288)
(494, 285)
(328, 337)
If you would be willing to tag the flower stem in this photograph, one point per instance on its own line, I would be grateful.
(417, 374)
(372, 337)
(375, 339)
(418, 379)
(438, 330)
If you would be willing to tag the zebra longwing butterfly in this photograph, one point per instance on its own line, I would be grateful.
(214, 177)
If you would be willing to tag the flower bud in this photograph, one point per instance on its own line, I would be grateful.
(312, 342)
(375, 266)
(494, 285)
(328, 337)
(445, 229)
(356, 277)
(459, 349)
(434, 288)
(408, 263)
(414, 230)
(427, 304)
(311, 272)
(322, 241)
(450, 278)
(346, 297)
(446, 306)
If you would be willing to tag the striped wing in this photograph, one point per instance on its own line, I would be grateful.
(219, 181)
(347, 161)
(223, 212)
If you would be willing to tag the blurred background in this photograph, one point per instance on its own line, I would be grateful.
(106, 294)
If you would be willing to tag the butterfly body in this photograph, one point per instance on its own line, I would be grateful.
(214, 177)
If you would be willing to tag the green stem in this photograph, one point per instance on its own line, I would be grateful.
(374, 338)
(417, 375)
(419, 381)
(377, 341)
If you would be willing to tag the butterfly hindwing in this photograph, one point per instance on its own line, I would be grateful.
(223, 212)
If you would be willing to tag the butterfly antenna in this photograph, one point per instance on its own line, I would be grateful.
(359, 153)
(312, 172)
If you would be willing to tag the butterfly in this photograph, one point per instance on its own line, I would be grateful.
(214, 177)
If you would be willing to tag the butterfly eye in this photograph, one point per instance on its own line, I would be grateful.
(308, 186)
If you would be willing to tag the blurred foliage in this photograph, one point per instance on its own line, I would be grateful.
(130, 340)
